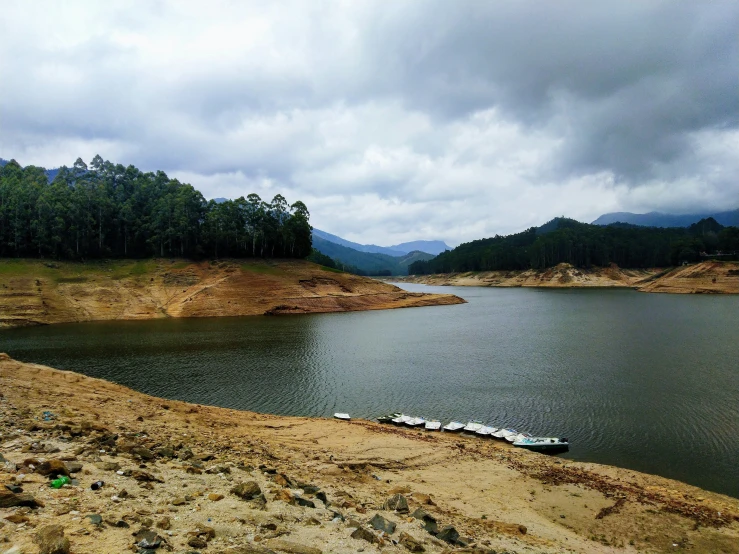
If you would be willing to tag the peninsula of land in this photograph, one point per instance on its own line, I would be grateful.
(702, 278)
(188, 478)
(38, 292)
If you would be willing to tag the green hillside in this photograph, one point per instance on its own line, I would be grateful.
(367, 262)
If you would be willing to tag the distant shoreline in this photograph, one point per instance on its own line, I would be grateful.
(702, 278)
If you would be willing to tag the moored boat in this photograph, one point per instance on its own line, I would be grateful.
(432, 425)
(415, 421)
(473, 426)
(454, 426)
(505, 433)
(486, 431)
(343, 416)
(518, 437)
(401, 419)
(388, 418)
(548, 445)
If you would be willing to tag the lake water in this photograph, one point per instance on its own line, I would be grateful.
(644, 381)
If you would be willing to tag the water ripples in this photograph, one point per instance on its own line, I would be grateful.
(643, 381)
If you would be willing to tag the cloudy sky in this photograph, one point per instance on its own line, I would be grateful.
(392, 120)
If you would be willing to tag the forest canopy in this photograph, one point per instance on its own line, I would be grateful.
(106, 210)
(565, 240)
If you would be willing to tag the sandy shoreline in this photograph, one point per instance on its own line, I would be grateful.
(703, 278)
(179, 462)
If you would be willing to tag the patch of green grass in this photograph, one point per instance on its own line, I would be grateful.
(76, 279)
(261, 267)
(331, 269)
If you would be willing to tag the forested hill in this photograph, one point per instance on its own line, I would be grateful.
(580, 244)
(108, 210)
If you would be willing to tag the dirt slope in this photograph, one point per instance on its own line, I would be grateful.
(702, 278)
(171, 466)
(33, 292)
(560, 276)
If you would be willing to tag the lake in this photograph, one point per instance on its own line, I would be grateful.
(644, 381)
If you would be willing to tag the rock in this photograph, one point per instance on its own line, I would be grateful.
(281, 480)
(247, 491)
(429, 521)
(320, 495)
(397, 503)
(144, 476)
(108, 466)
(185, 454)
(17, 518)
(197, 542)
(411, 543)
(365, 534)
(51, 540)
(95, 519)
(164, 523)
(11, 500)
(73, 467)
(146, 538)
(204, 532)
(52, 467)
(215, 497)
(424, 499)
(381, 524)
(291, 547)
(179, 501)
(142, 452)
(448, 534)
(300, 501)
(15, 489)
(165, 452)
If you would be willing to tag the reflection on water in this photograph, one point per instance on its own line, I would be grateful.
(639, 380)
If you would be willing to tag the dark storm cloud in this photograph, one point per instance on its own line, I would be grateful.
(624, 84)
(508, 112)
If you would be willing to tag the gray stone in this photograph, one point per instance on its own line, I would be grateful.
(73, 467)
(411, 543)
(448, 534)
(300, 501)
(146, 538)
(15, 489)
(142, 452)
(95, 519)
(165, 452)
(247, 491)
(365, 534)
(382, 524)
(397, 503)
(51, 540)
(429, 521)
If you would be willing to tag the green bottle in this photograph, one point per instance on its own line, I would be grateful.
(59, 482)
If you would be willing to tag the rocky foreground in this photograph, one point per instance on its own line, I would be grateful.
(35, 292)
(703, 278)
(179, 477)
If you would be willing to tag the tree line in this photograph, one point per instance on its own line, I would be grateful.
(106, 210)
(564, 240)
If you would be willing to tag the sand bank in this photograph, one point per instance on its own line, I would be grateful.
(234, 482)
(34, 292)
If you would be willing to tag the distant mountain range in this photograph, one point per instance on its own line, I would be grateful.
(658, 219)
(434, 247)
(50, 173)
(371, 263)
